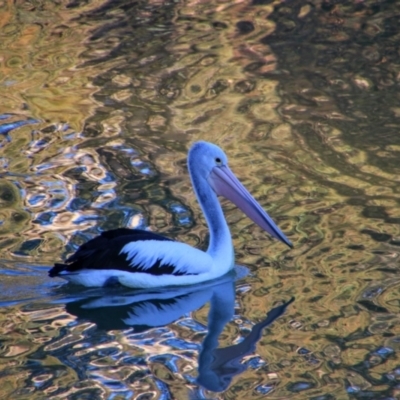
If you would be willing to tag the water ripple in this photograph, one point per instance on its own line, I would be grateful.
(99, 109)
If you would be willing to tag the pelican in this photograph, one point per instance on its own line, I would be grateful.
(143, 259)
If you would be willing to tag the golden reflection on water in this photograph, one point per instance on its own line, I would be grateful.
(119, 94)
(40, 51)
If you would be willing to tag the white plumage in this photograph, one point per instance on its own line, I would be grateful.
(184, 258)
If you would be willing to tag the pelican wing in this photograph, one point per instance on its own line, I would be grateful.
(135, 250)
(178, 258)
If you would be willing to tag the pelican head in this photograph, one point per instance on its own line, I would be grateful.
(208, 164)
(205, 156)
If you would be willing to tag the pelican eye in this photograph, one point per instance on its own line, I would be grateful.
(218, 161)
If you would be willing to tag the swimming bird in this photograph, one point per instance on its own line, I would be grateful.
(143, 259)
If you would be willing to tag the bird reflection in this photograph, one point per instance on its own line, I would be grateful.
(120, 308)
(217, 366)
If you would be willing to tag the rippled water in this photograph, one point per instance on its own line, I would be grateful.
(99, 104)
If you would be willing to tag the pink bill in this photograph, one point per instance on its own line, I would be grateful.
(225, 184)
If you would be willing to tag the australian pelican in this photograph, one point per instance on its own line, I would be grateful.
(143, 259)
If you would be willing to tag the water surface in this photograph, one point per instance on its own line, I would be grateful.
(100, 102)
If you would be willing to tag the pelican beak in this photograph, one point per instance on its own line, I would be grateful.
(225, 184)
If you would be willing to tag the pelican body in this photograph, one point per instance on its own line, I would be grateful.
(142, 259)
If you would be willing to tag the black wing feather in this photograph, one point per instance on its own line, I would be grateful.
(103, 252)
(113, 241)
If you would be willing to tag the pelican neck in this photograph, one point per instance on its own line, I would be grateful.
(220, 245)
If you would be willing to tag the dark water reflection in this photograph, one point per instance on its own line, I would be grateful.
(100, 102)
